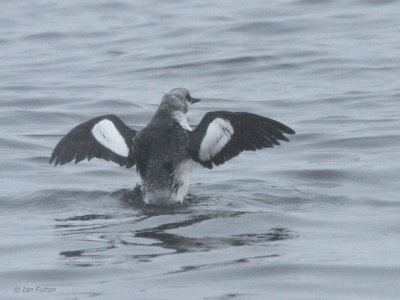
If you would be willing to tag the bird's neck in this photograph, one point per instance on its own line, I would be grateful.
(180, 117)
(168, 115)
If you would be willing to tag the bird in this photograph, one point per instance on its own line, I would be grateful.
(166, 149)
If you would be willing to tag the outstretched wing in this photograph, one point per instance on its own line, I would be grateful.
(222, 135)
(105, 137)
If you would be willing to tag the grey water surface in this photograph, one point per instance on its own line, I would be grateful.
(316, 218)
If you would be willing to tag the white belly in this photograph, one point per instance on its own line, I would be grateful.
(181, 178)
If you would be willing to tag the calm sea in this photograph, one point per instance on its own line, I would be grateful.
(316, 218)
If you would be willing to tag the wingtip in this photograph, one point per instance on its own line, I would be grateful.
(55, 163)
(51, 160)
(286, 129)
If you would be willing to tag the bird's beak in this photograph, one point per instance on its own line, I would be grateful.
(194, 100)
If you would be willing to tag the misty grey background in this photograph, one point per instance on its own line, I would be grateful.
(316, 218)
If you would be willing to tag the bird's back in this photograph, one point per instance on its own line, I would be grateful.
(159, 148)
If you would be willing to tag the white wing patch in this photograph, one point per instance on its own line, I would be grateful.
(218, 133)
(181, 119)
(108, 135)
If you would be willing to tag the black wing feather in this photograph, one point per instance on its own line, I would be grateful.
(251, 132)
(80, 144)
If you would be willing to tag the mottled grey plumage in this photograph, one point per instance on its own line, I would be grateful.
(165, 150)
(161, 148)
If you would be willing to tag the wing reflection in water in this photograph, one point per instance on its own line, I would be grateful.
(180, 243)
(145, 233)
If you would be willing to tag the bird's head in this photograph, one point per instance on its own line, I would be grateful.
(177, 99)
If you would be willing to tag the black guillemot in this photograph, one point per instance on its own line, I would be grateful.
(166, 149)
